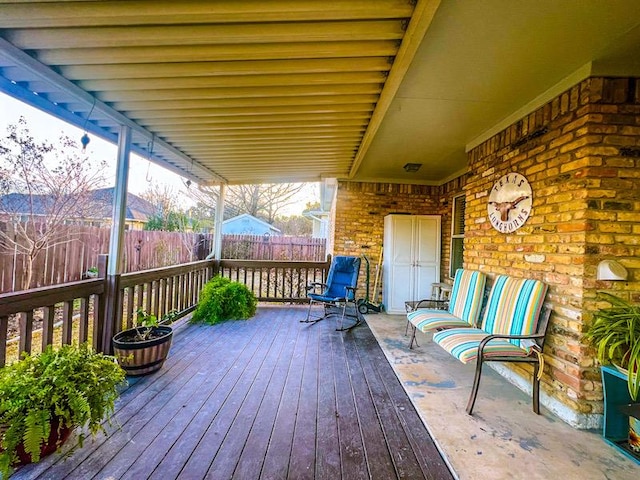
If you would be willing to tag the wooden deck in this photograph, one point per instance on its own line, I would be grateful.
(268, 398)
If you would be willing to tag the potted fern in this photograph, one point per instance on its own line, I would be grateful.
(143, 349)
(615, 333)
(45, 396)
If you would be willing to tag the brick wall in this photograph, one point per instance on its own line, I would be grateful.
(359, 214)
(581, 154)
(586, 207)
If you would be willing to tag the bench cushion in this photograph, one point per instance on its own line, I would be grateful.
(466, 295)
(464, 304)
(463, 344)
(426, 319)
(514, 306)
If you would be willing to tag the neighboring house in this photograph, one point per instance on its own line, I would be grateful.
(246, 224)
(138, 209)
(321, 217)
(320, 222)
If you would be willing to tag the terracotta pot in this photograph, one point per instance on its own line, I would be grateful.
(142, 357)
(55, 440)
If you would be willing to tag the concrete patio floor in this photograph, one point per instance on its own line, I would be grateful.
(503, 439)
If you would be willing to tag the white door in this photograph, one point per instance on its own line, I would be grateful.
(426, 255)
(411, 259)
(399, 259)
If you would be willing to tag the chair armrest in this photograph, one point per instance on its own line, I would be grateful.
(315, 285)
(351, 290)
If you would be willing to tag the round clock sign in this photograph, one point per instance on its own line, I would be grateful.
(509, 203)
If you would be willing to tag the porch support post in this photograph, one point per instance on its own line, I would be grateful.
(113, 300)
(217, 244)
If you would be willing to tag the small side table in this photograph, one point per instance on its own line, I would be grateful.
(437, 304)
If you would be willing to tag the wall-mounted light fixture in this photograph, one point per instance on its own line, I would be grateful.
(412, 167)
(611, 270)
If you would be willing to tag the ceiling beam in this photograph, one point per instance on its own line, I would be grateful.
(162, 96)
(190, 124)
(235, 144)
(194, 113)
(217, 53)
(199, 69)
(76, 14)
(211, 34)
(311, 135)
(143, 107)
(329, 78)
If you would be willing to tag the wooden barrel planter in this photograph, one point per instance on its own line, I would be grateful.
(142, 357)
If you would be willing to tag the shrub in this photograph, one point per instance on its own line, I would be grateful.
(221, 299)
(73, 383)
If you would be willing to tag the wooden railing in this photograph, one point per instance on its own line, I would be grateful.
(272, 281)
(62, 314)
(163, 290)
(69, 306)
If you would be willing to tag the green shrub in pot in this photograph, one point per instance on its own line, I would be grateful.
(68, 387)
(615, 333)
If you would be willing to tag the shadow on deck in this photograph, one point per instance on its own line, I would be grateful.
(266, 398)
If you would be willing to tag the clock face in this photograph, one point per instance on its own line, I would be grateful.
(510, 203)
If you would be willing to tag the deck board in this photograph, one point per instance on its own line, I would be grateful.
(268, 398)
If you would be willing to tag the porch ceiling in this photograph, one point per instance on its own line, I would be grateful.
(299, 90)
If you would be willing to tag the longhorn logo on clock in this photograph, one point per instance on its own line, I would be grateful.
(509, 204)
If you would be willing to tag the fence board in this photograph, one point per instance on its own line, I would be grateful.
(143, 250)
(259, 247)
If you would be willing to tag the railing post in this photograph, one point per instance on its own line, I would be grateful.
(112, 311)
(99, 310)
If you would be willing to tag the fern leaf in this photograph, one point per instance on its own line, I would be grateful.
(37, 430)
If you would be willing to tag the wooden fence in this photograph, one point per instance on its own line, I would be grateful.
(269, 247)
(69, 261)
(143, 250)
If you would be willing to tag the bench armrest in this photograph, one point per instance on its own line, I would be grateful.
(483, 343)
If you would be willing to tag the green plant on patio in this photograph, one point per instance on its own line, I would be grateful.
(222, 299)
(46, 396)
(615, 333)
(144, 348)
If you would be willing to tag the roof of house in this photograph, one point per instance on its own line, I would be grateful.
(247, 216)
(137, 208)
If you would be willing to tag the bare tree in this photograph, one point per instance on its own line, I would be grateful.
(264, 201)
(163, 198)
(295, 225)
(45, 188)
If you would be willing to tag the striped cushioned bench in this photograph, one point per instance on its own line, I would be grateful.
(512, 330)
(465, 303)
